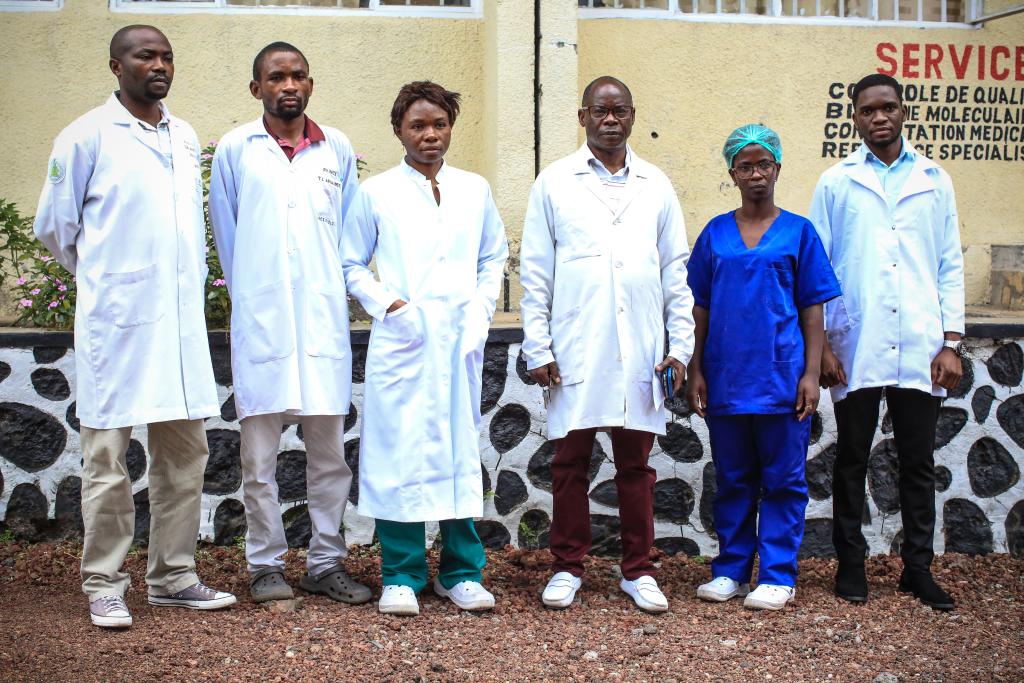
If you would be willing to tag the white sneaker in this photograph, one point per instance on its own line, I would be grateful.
(468, 595)
(767, 596)
(645, 594)
(110, 612)
(400, 600)
(561, 590)
(721, 589)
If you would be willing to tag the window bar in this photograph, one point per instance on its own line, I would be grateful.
(842, 8)
(817, 7)
(942, 10)
(896, 10)
(743, 6)
(796, 8)
(696, 6)
(874, 9)
(718, 6)
(776, 8)
(920, 10)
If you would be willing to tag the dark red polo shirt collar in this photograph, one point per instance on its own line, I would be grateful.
(310, 134)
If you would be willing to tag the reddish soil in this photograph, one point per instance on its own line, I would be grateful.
(45, 634)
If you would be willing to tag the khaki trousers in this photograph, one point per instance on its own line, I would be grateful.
(328, 481)
(178, 454)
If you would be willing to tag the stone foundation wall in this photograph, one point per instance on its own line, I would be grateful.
(980, 442)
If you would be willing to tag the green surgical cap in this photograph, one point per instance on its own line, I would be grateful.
(752, 134)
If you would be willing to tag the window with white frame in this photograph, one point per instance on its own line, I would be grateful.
(30, 5)
(824, 11)
(419, 7)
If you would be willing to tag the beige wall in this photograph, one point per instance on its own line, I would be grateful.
(693, 83)
(55, 69)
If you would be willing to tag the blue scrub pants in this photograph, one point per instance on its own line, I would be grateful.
(762, 494)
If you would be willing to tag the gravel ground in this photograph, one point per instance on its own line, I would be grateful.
(45, 633)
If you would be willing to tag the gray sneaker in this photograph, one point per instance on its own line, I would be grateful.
(110, 612)
(196, 596)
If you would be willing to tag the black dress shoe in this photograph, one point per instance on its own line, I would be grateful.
(851, 583)
(924, 588)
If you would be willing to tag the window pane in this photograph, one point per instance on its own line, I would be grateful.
(427, 3)
(625, 4)
(297, 3)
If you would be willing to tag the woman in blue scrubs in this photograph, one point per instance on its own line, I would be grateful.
(759, 277)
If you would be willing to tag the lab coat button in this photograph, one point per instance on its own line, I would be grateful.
(441, 260)
(621, 309)
(618, 264)
(291, 203)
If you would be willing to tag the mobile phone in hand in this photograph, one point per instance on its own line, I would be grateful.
(668, 382)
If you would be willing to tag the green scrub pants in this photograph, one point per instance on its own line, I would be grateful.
(404, 555)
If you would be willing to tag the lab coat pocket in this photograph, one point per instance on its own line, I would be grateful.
(258, 325)
(576, 240)
(127, 299)
(837, 318)
(567, 346)
(401, 328)
(327, 324)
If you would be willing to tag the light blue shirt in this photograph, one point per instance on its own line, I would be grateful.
(895, 176)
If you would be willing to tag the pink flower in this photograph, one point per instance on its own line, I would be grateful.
(22, 280)
(52, 304)
(46, 259)
(34, 292)
(63, 288)
(218, 282)
(26, 303)
(360, 157)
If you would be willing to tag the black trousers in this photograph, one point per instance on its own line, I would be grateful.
(914, 414)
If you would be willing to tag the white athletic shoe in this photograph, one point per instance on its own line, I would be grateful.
(767, 596)
(467, 595)
(721, 589)
(645, 594)
(110, 612)
(561, 590)
(400, 600)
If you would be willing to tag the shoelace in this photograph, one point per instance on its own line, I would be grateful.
(204, 591)
(113, 602)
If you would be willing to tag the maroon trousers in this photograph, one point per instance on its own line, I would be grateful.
(634, 481)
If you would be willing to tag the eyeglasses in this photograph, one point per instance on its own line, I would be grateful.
(746, 171)
(598, 113)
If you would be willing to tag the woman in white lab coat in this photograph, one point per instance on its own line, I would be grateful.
(440, 251)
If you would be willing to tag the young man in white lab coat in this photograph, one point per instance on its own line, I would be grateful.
(279, 192)
(122, 210)
(440, 251)
(888, 220)
(603, 267)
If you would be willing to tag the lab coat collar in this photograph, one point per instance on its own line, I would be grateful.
(119, 113)
(419, 177)
(635, 181)
(919, 180)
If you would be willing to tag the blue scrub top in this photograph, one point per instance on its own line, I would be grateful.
(754, 351)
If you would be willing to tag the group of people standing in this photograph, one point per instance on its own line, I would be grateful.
(606, 272)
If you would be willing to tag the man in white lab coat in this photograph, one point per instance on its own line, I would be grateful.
(440, 251)
(603, 268)
(279, 192)
(122, 210)
(887, 218)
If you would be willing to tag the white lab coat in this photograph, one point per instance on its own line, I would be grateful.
(128, 222)
(901, 271)
(419, 457)
(277, 225)
(600, 287)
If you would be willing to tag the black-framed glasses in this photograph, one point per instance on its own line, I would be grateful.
(598, 113)
(746, 171)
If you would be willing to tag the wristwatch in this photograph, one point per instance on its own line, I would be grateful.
(957, 347)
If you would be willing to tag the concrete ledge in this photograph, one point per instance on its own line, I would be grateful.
(506, 328)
